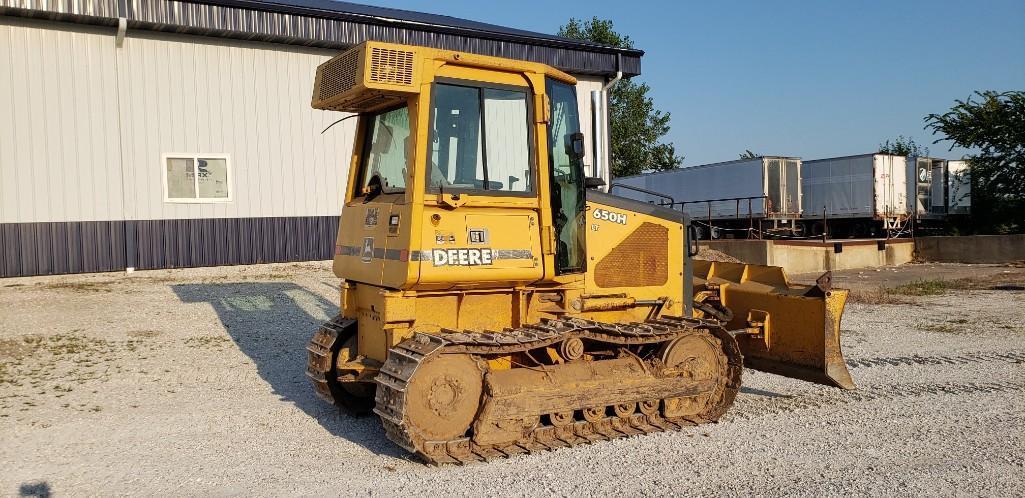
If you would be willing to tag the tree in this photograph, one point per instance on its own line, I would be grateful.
(903, 146)
(749, 155)
(636, 127)
(995, 125)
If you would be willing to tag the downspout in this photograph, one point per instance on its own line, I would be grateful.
(600, 115)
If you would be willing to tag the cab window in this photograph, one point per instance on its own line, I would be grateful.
(479, 140)
(386, 147)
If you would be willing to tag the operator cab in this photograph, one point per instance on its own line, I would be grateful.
(473, 176)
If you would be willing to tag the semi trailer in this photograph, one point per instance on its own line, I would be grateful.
(745, 198)
(856, 196)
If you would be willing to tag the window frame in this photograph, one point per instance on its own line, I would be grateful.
(531, 141)
(196, 157)
(365, 121)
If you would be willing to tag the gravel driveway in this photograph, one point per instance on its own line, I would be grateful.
(191, 382)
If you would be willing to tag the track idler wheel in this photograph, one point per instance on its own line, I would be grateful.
(706, 355)
(443, 396)
(334, 343)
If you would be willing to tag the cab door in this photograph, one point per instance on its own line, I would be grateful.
(481, 201)
(566, 172)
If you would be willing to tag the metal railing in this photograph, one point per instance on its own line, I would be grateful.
(750, 210)
(646, 191)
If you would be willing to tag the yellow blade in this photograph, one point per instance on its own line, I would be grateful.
(791, 330)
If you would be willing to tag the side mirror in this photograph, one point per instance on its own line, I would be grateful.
(692, 240)
(577, 143)
(593, 182)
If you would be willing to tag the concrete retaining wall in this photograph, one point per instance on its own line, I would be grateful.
(972, 249)
(814, 256)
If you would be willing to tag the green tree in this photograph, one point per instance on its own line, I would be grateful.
(636, 127)
(994, 124)
(903, 146)
(749, 155)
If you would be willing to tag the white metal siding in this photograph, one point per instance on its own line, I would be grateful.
(86, 123)
(76, 108)
(250, 101)
(59, 152)
(585, 84)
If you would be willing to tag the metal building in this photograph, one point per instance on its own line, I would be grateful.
(158, 134)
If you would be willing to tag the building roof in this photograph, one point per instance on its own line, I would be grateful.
(334, 24)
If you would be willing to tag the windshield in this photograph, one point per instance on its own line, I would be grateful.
(386, 150)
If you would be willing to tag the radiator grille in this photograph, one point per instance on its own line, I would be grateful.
(391, 66)
(338, 75)
(641, 260)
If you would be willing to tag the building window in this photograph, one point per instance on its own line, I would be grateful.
(197, 178)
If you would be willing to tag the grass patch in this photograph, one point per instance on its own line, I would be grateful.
(1008, 280)
(215, 342)
(78, 286)
(877, 296)
(935, 287)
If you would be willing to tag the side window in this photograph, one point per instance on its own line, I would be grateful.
(567, 179)
(386, 148)
(479, 140)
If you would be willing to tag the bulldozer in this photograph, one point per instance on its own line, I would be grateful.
(495, 300)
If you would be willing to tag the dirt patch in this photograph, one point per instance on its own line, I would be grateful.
(143, 334)
(713, 255)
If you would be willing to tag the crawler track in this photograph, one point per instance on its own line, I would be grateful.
(408, 357)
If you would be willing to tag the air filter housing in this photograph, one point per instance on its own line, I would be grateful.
(367, 77)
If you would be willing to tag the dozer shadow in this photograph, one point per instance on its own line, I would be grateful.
(271, 322)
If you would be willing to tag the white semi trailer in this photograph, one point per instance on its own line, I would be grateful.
(857, 196)
(743, 198)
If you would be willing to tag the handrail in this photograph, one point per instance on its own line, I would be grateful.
(644, 191)
(753, 197)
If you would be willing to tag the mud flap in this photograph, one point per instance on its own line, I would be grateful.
(781, 328)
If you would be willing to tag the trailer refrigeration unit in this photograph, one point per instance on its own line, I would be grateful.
(959, 188)
(745, 198)
(937, 190)
(857, 196)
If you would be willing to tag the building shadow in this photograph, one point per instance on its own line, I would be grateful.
(271, 322)
(39, 489)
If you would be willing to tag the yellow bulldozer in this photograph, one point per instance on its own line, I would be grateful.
(496, 301)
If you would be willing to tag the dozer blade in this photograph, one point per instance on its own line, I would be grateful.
(782, 328)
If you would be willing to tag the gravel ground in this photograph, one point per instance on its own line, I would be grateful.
(191, 382)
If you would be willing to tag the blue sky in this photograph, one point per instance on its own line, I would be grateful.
(804, 78)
